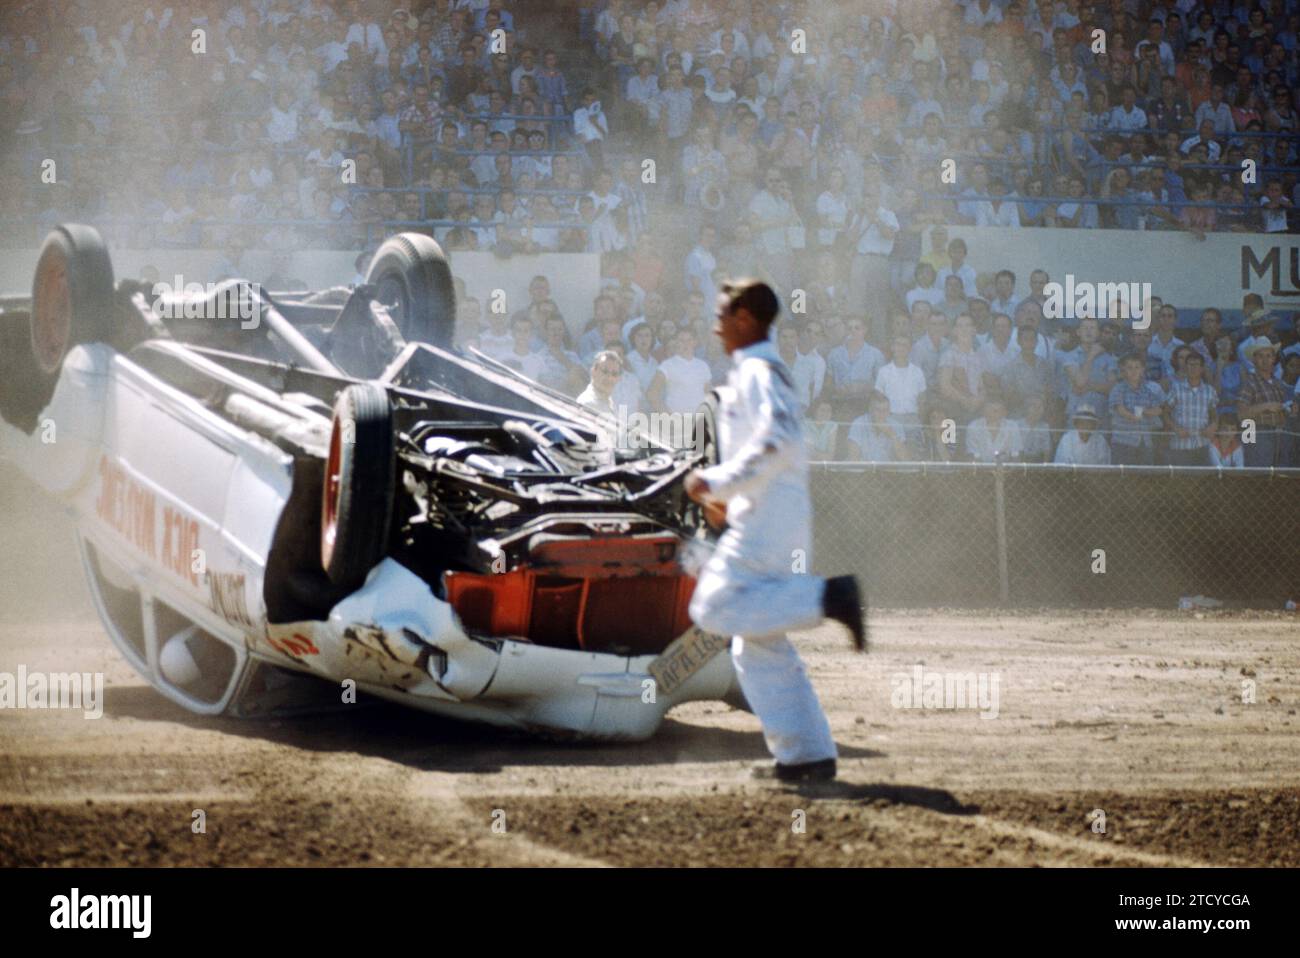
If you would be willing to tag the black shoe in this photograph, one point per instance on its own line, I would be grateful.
(842, 601)
(819, 771)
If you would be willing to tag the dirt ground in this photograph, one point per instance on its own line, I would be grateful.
(1137, 716)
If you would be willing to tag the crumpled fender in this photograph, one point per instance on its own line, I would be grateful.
(396, 614)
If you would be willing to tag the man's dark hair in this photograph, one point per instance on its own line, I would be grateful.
(755, 296)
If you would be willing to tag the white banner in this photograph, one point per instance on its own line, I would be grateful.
(1183, 270)
(574, 279)
(1216, 271)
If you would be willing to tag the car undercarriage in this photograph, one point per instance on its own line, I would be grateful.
(387, 503)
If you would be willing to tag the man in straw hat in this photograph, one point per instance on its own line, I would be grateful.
(1083, 445)
(1264, 400)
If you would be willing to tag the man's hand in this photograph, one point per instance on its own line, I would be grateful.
(697, 487)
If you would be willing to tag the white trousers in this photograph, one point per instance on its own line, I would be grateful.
(757, 610)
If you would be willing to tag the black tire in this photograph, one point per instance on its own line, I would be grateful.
(706, 429)
(706, 446)
(72, 303)
(358, 494)
(412, 278)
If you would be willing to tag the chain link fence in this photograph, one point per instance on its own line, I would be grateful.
(982, 535)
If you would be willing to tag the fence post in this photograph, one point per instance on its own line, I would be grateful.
(1000, 519)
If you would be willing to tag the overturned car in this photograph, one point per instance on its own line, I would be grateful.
(269, 486)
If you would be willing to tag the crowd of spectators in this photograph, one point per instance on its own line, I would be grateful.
(815, 144)
(1002, 113)
(794, 126)
(971, 384)
(301, 123)
(1044, 104)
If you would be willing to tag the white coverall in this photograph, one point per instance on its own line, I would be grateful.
(748, 589)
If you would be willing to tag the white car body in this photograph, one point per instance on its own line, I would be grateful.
(177, 506)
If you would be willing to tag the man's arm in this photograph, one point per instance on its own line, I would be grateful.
(575, 373)
(1155, 409)
(1211, 426)
(1167, 414)
(886, 224)
(1251, 403)
(1016, 447)
(1117, 408)
(839, 387)
(776, 439)
(654, 393)
(1107, 383)
(1246, 408)
(1080, 374)
(946, 388)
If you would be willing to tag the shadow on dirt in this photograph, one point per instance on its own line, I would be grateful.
(933, 799)
(433, 743)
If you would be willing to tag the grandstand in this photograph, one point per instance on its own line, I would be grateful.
(901, 169)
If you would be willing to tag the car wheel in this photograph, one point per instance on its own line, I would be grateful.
(357, 498)
(72, 303)
(706, 430)
(705, 438)
(412, 278)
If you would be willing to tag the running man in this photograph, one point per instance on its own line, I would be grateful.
(748, 588)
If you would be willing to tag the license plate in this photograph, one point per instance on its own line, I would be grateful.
(687, 654)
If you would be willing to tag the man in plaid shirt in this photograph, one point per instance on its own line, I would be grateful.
(1135, 410)
(1263, 399)
(448, 34)
(1189, 412)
